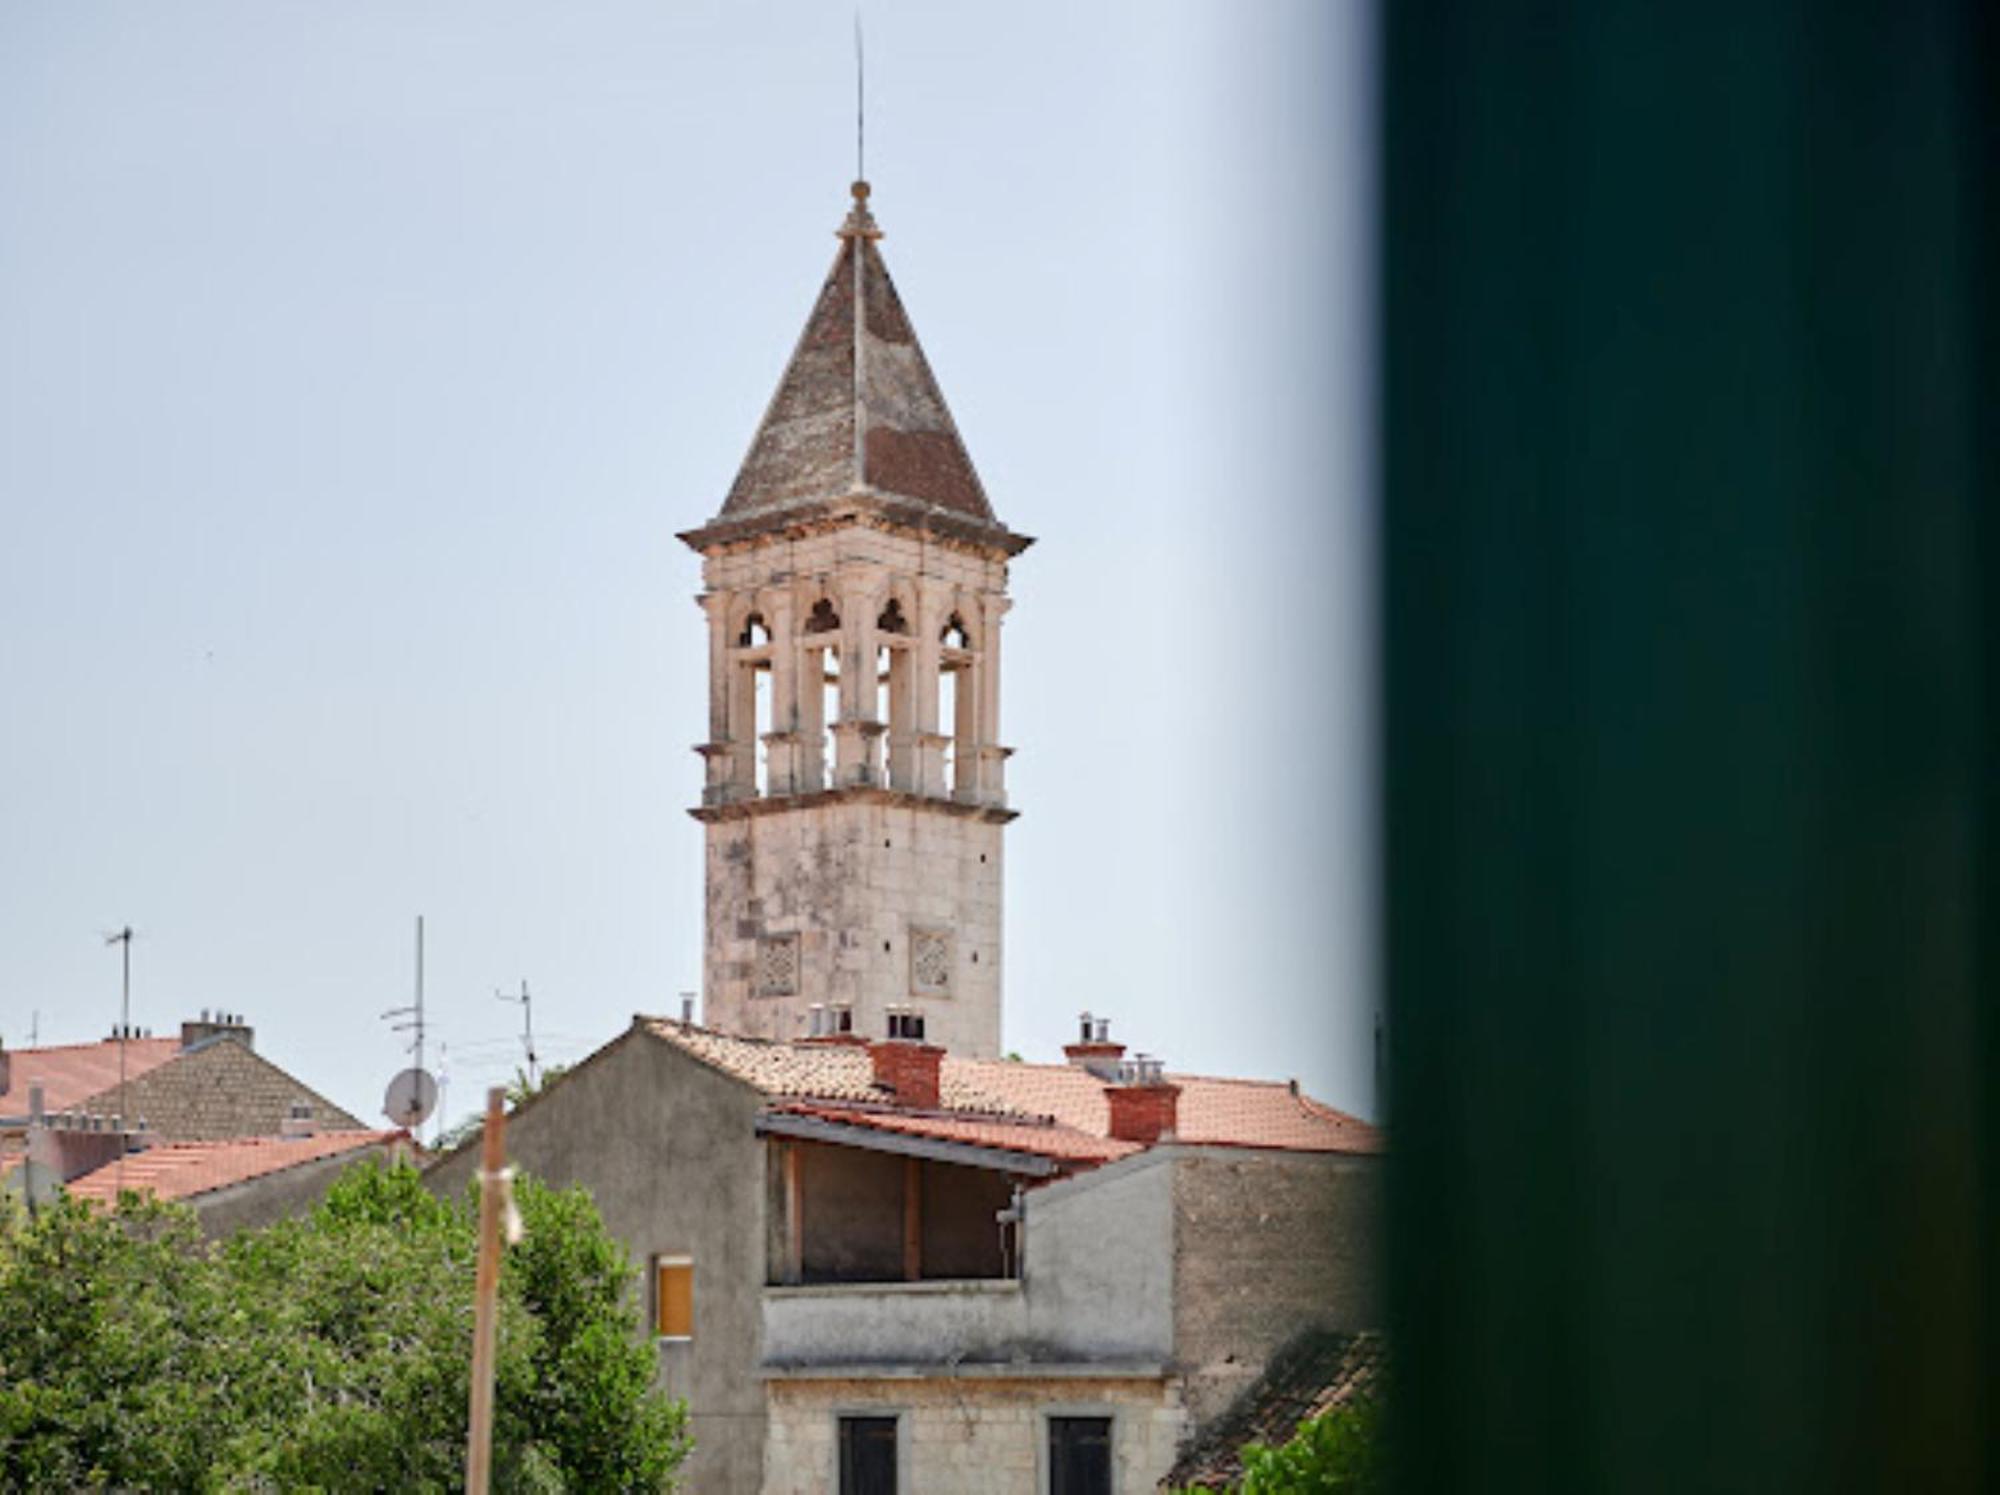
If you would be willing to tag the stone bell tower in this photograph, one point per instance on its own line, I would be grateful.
(855, 581)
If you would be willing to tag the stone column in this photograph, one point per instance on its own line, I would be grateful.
(992, 757)
(729, 752)
(902, 729)
(857, 734)
(809, 701)
(787, 767)
(930, 743)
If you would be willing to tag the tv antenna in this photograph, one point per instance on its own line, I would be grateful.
(527, 1028)
(413, 1093)
(122, 938)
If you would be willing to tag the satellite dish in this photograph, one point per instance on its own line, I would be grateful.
(412, 1096)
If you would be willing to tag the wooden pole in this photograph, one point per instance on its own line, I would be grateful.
(485, 1295)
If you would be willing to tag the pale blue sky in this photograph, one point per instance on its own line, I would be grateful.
(358, 362)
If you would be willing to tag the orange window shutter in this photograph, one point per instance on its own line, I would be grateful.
(675, 1296)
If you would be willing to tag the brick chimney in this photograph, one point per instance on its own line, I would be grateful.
(1094, 1051)
(216, 1025)
(1144, 1107)
(909, 1069)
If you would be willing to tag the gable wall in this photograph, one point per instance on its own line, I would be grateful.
(666, 1147)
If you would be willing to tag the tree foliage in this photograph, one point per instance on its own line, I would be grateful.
(1338, 1452)
(327, 1352)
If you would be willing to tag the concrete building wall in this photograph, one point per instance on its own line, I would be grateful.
(665, 1146)
(857, 882)
(907, 1324)
(1266, 1243)
(1098, 1263)
(970, 1435)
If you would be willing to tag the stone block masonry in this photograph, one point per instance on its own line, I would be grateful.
(969, 1435)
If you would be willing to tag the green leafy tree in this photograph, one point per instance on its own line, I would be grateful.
(1338, 1452)
(330, 1352)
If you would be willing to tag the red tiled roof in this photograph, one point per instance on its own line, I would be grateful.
(182, 1170)
(1229, 1113)
(70, 1074)
(1041, 1139)
(1216, 1112)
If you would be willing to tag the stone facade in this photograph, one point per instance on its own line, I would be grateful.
(1265, 1244)
(969, 1434)
(850, 889)
(854, 834)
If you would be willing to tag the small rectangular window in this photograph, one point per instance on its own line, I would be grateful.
(673, 1297)
(1079, 1456)
(867, 1456)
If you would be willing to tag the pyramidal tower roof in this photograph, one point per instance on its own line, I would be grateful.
(858, 413)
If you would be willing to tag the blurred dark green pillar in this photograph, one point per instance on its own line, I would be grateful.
(1689, 403)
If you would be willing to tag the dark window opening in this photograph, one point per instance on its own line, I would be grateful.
(822, 618)
(892, 619)
(868, 1456)
(754, 631)
(1079, 1456)
(954, 635)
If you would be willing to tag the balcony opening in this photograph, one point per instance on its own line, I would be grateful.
(854, 1215)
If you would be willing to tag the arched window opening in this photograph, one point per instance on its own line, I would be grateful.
(822, 618)
(892, 619)
(829, 711)
(948, 713)
(954, 635)
(754, 632)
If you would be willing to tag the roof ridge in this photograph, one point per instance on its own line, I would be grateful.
(88, 1043)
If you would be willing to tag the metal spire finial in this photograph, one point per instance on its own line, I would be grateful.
(860, 222)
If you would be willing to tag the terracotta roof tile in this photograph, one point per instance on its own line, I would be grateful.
(183, 1170)
(1230, 1113)
(71, 1074)
(220, 1089)
(818, 1071)
(1317, 1371)
(1041, 1139)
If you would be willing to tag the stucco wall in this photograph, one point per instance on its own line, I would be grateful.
(1265, 1244)
(969, 1435)
(666, 1147)
(1098, 1262)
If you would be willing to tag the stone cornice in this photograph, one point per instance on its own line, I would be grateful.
(750, 809)
(863, 507)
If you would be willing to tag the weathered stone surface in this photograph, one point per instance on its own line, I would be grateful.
(857, 407)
